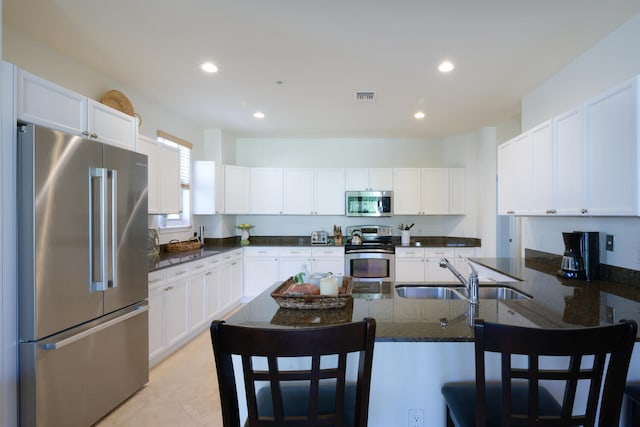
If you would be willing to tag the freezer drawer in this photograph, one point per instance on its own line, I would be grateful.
(76, 377)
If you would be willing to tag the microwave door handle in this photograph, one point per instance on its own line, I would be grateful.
(113, 281)
(98, 273)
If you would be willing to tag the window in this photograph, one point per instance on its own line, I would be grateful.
(182, 219)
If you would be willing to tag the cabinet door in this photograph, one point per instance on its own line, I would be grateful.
(169, 179)
(45, 103)
(569, 164)
(266, 191)
(329, 190)
(260, 272)
(506, 181)
(542, 189)
(356, 179)
(177, 315)
(612, 132)
(207, 188)
(298, 191)
(407, 191)
(225, 285)
(111, 126)
(197, 294)
(149, 147)
(410, 270)
(328, 265)
(457, 191)
(522, 173)
(381, 179)
(433, 271)
(156, 321)
(435, 191)
(236, 191)
(212, 286)
(236, 277)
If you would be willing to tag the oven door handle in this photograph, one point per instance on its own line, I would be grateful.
(369, 251)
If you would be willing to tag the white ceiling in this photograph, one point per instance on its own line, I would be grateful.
(324, 52)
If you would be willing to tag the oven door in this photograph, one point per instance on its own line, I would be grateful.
(368, 265)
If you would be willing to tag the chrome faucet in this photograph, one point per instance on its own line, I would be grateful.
(471, 284)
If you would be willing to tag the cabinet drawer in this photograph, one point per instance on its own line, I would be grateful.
(295, 252)
(440, 252)
(329, 252)
(156, 277)
(177, 272)
(261, 252)
(409, 252)
(197, 266)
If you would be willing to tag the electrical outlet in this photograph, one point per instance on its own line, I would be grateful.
(609, 242)
(416, 417)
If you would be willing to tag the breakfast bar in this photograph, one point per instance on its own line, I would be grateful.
(423, 342)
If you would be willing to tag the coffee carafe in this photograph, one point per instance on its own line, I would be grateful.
(581, 258)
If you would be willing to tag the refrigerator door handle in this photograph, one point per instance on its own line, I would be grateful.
(66, 341)
(113, 281)
(98, 275)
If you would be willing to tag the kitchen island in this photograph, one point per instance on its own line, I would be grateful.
(422, 343)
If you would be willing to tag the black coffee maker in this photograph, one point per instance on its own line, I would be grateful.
(581, 258)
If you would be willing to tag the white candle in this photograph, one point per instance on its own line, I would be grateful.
(329, 286)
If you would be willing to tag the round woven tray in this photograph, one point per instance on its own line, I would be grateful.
(118, 101)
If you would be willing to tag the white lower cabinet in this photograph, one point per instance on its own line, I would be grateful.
(266, 265)
(415, 264)
(184, 299)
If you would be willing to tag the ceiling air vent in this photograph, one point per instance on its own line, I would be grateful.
(364, 96)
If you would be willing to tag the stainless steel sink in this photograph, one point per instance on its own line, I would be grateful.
(457, 292)
(428, 292)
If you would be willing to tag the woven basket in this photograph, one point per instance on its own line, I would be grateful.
(118, 101)
(313, 301)
(187, 245)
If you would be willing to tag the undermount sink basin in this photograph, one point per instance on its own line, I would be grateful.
(456, 292)
(428, 292)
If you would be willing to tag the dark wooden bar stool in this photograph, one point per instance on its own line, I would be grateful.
(518, 398)
(632, 392)
(317, 395)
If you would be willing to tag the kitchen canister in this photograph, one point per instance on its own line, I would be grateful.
(329, 286)
(405, 238)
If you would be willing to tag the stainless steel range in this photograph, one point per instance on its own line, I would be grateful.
(370, 253)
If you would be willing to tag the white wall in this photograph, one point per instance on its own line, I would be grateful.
(21, 50)
(609, 62)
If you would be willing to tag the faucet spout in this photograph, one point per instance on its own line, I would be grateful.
(471, 284)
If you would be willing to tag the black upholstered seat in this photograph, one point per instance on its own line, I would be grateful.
(317, 393)
(592, 356)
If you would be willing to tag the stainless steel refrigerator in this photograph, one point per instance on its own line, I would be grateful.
(82, 277)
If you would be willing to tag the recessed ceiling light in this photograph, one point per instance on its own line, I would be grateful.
(419, 115)
(209, 67)
(258, 115)
(446, 67)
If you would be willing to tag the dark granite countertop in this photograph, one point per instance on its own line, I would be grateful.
(216, 246)
(555, 303)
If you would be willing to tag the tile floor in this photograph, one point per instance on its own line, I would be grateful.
(182, 392)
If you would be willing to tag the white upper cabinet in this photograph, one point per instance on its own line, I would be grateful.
(329, 184)
(583, 162)
(42, 102)
(428, 191)
(612, 151)
(542, 170)
(266, 188)
(298, 196)
(163, 167)
(569, 163)
(359, 179)
(208, 188)
(309, 191)
(236, 189)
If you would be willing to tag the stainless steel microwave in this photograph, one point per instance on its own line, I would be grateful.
(369, 203)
